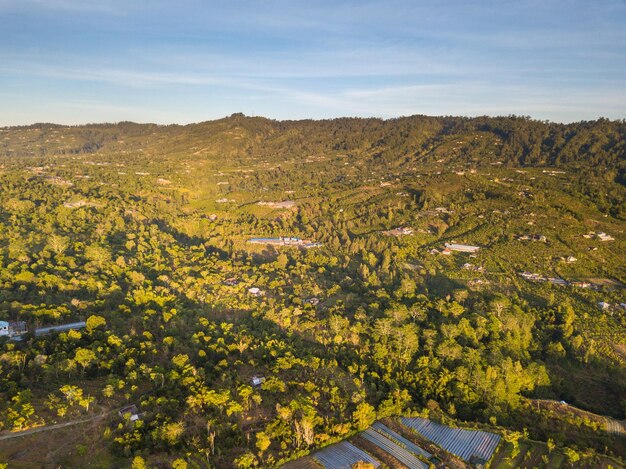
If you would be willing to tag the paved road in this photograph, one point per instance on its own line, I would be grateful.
(50, 427)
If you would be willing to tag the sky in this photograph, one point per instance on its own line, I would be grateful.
(81, 61)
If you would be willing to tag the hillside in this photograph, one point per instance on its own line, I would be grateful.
(465, 269)
(512, 140)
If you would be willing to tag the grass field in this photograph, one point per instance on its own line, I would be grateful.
(77, 446)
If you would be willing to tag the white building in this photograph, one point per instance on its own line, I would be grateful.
(255, 291)
(461, 247)
(257, 380)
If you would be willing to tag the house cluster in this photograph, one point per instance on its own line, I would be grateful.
(284, 204)
(601, 235)
(604, 306)
(473, 268)
(78, 204)
(16, 330)
(559, 281)
(286, 241)
(436, 212)
(540, 238)
(477, 283)
(400, 231)
(538, 278)
(13, 330)
(59, 181)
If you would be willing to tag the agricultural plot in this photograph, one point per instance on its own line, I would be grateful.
(342, 456)
(412, 447)
(462, 443)
(401, 454)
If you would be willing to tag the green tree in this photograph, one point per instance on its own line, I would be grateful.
(364, 416)
(93, 322)
(139, 463)
(84, 357)
(263, 441)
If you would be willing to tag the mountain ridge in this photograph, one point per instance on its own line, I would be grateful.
(511, 140)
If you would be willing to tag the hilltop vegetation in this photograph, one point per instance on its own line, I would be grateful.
(141, 230)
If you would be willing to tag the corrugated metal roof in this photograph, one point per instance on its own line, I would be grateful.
(462, 443)
(401, 454)
(60, 327)
(389, 433)
(342, 456)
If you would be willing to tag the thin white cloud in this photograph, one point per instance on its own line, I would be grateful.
(323, 58)
(111, 7)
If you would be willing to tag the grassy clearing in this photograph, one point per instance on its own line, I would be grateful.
(76, 446)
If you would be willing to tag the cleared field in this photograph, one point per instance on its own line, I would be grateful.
(462, 443)
(342, 456)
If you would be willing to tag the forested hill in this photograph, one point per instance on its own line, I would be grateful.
(242, 292)
(513, 141)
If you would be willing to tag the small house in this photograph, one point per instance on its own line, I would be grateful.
(131, 411)
(604, 305)
(605, 237)
(257, 380)
(254, 291)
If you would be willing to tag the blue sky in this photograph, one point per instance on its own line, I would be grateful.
(77, 61)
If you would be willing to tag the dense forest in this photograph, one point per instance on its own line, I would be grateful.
(142, 232)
